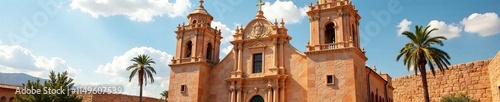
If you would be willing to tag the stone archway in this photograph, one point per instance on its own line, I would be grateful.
(257, 98)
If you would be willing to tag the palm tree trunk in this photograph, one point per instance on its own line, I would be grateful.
(141, 74)
(424, 82)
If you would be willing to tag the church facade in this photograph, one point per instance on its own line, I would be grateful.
(264, 67)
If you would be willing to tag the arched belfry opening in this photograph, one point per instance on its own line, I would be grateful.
(209, 52)
(189, 49)
(329, 33)
(257, 98)
(194, 22)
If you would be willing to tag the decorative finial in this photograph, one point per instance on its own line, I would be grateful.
(375, 68)
(363, 50)
(260, 4)
(201, 3)
(282, 23)
(276, 22)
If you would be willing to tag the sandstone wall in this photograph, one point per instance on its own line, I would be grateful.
(341, 64)
(471, 78)
(494, 71)
(114, 98)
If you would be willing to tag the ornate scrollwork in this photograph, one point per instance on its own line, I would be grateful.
(258, 30)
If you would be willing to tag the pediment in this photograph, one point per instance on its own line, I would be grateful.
(258, 28)
(257, 44)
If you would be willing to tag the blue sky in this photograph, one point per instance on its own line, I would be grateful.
(95, 39)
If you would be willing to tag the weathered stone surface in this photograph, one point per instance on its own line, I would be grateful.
(471, 78)
(494, 76)
(114, 98)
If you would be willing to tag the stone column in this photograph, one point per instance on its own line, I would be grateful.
(275, 61)
(275, 92)
(239, 57)
(232, 92)
(238, 95)
(282, 90)
(230, 96)
(269, 96)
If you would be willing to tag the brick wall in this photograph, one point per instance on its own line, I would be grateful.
(494, 71)
(471, 78)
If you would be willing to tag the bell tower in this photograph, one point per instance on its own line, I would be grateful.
(197, 41)
(333, 24)
(335, 60)
(197, 51)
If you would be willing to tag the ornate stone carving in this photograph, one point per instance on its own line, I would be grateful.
(257, 44)
(258, 30)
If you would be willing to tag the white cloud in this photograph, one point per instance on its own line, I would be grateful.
(483, 24)
(136, 10)
(227, 33)
(17, 59)
(227, 49)
(449, 31)
(404, 25)
(286, 10)
(115, 70)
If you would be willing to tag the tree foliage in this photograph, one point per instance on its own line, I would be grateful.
(420, 52)
(56, 81)
(462, 97)
(164, 97)
(142, 67)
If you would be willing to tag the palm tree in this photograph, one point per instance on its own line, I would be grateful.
(164, 94)
(142, 66)
(419, 52)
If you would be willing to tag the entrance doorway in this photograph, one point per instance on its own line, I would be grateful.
(257, 98)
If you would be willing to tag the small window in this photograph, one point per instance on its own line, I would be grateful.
(257, 63)
(183, 88)
(329, 79)
(209, 52)
(189, 48)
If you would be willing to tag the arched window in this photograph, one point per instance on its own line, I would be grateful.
(11, 99)
(372, 98)
(257, 98)
(189, 48)
(330, 33)
(194, 22)
(3, 99)
(209, 51)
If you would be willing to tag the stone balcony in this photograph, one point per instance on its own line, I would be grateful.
(329, 46)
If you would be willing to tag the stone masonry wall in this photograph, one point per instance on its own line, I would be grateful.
(471, 78)
(494, 71)
(114, 98)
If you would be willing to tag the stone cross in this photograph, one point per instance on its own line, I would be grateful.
(260, 4)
